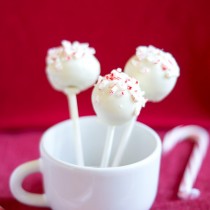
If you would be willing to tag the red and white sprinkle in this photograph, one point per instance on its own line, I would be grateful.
(118, 82)
(156, 56)
(67, 51)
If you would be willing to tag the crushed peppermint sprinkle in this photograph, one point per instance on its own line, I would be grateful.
(158, 57)
(118, 83)
(67, 51)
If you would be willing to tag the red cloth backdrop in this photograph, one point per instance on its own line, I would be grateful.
(114, 28)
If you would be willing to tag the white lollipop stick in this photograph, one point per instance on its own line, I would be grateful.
(123, 143)
(108, 146)
(201, 138)
(73, 108)
(116, 98)
(71, 68)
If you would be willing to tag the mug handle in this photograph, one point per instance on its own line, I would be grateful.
(16, 180)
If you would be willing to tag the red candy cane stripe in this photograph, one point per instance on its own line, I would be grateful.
(201, 138)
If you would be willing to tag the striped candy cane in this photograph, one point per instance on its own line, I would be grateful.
(201, 138)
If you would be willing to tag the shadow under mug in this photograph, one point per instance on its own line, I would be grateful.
(67, 186)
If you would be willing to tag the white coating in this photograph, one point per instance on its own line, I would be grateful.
(117, 98)
(72, 66)
(156, 71)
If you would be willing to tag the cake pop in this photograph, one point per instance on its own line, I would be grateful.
(116, 99)
(72, 65)
(72, 68)
(156, 71)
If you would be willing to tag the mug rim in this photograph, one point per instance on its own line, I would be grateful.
(139, 163)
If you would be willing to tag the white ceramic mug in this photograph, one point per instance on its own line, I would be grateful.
(67, 186)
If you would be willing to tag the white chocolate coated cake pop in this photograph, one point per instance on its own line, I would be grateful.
(72, 65)
(156, 71)
(117, 98)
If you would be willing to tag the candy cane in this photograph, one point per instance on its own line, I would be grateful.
(201, 138)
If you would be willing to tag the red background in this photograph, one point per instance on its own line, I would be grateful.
(114, 28)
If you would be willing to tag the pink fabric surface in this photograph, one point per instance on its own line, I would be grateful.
(26, 148)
